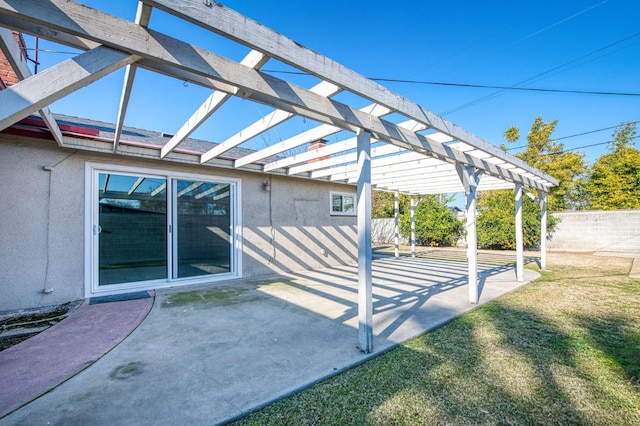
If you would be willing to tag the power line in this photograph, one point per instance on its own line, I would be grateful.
(477, 86)
(537, 76)
(578, 134)
(484, 86)
(587, 146)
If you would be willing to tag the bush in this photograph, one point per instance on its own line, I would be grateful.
(436, 224)
(496, 221)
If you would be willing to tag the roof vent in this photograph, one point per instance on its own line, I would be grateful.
(166, 135)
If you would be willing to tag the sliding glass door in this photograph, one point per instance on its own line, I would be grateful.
(150, 230)
(202, 241)
(132, 228)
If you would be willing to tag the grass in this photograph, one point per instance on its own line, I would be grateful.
(562, 350)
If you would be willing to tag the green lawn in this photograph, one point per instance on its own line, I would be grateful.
(562, 350)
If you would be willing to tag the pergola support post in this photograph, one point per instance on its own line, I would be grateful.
(519, 235)
(542, 200)
(413, 226)
(365, 292)
(396, 224)
(470, 179)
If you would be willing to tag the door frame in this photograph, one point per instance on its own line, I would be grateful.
(91, 211)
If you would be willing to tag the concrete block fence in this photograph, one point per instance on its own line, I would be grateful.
(580, 231)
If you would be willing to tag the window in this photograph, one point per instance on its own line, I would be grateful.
(343, 204)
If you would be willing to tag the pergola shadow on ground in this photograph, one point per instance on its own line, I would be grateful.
(213, 353)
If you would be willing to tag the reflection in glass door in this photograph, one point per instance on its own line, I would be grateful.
(150, 231)
(132, 228)
(202, 235)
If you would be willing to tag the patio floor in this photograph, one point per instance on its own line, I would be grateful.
(206, 355)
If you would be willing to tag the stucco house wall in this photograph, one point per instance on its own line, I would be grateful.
(43, 217)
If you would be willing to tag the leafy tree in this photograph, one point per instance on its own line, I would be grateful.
(496, 209)
(549, 156)
(614, 178)
(436, 224)
(382, 204)
(496, 221)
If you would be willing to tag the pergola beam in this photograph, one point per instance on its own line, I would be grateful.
(143, 16)
(255, 60)
(237, 27)
(334, 148)
(127, 36)
(40, 90)
(378, 151)
(14, 56)
(346, 171)
(301, 139)
(265, 123)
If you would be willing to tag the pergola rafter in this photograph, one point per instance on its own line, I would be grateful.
(251, 84)
(16, 59)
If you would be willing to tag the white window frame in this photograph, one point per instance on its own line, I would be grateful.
(342, 194)
(92, 171)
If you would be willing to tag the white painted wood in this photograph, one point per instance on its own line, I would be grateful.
(253, 59)
(265, 123)
(143, 15)
(342, 159)
(413, 226)
(519, 235)
(18, 63)
(298, 140)
(542, 196)
(469, 178)
(37, 91)
(396, 224)
(169, 55)
(365, 291)
(378, 162)
(127, 86)
(333, 148)
(246, 31)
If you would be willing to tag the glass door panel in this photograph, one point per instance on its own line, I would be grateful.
(202, 237)
(132, 231)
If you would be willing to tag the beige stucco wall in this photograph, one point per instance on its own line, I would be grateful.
(42, 229)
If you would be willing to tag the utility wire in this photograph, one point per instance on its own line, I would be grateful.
(476, 86)
(484, 86)
(586, 146)
(575, 135)
(537, 76)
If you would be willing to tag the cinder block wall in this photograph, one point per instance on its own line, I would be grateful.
(616, 231)
(585, 231)
(383, 231)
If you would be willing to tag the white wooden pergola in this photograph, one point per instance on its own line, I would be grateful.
(396, 144)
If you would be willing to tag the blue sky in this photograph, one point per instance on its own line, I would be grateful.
(590, 45)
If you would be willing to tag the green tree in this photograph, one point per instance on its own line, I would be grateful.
(382, 204)
(436, 224)
(549, 156)
(614, 179)
(496, 223)
(496, 209)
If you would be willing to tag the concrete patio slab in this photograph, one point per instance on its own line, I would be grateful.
(209, 354)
